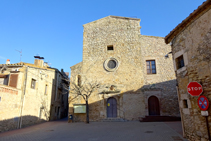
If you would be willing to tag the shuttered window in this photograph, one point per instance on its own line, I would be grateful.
(13, 80)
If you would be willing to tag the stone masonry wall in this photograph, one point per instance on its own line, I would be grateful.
(123, 34)
(131, 50)
(37, 103)
(11, 103)
(10, 107)
(73, 98)
(194, 43)
(154, 48)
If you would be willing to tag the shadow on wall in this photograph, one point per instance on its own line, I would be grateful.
(14, 123)
(165, 92)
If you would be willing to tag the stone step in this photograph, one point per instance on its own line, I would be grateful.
(159, 118)
(113, 120)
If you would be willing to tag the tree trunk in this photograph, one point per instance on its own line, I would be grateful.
(87, 112)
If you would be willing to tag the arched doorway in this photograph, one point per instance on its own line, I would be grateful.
(111, 107)
(153, 106)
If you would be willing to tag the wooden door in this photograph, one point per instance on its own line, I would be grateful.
(153, 106)
(111, 107)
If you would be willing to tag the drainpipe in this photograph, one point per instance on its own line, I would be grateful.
(23, 98)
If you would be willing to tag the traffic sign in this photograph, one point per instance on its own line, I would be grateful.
(203, 103)
(194, 88)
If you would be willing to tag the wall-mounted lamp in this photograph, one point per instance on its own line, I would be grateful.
(167, 55)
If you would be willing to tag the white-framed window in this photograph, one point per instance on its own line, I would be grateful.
(180, 61)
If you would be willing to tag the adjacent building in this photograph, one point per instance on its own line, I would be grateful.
(191, 49)
(31, 93)
(136, 80)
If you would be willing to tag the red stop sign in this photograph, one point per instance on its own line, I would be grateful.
(194, 88)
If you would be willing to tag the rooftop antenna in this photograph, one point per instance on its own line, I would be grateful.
(20, 53)
(49, 63)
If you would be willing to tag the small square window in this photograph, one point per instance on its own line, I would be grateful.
(180, 62)
(185, 103)
(110, 47)
(33, 83)
(151, 68)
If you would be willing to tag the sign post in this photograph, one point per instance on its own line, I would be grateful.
(203, 104)
(195, 89)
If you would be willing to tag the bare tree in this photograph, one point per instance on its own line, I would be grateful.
(84, 90)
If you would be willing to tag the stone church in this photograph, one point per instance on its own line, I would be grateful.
(136, 76)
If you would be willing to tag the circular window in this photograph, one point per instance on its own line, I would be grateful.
(111, 64)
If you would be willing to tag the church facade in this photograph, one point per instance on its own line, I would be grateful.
(136, 79)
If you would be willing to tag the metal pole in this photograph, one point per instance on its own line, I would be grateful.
(208, 130)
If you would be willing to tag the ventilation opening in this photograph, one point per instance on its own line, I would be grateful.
(110, 47)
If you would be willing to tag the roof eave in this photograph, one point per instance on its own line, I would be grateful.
(192, 17)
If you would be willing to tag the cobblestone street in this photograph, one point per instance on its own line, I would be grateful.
(97, 131)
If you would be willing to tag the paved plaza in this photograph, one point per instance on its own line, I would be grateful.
(97, 131)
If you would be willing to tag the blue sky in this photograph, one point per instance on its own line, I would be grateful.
(53, 28)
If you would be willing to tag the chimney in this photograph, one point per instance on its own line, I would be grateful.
(38, 62)
(8, 61)
(67, 73)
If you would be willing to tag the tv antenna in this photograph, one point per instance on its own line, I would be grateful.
(49, 63)
(20, 53)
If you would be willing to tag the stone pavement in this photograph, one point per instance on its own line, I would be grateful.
(97, 131)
